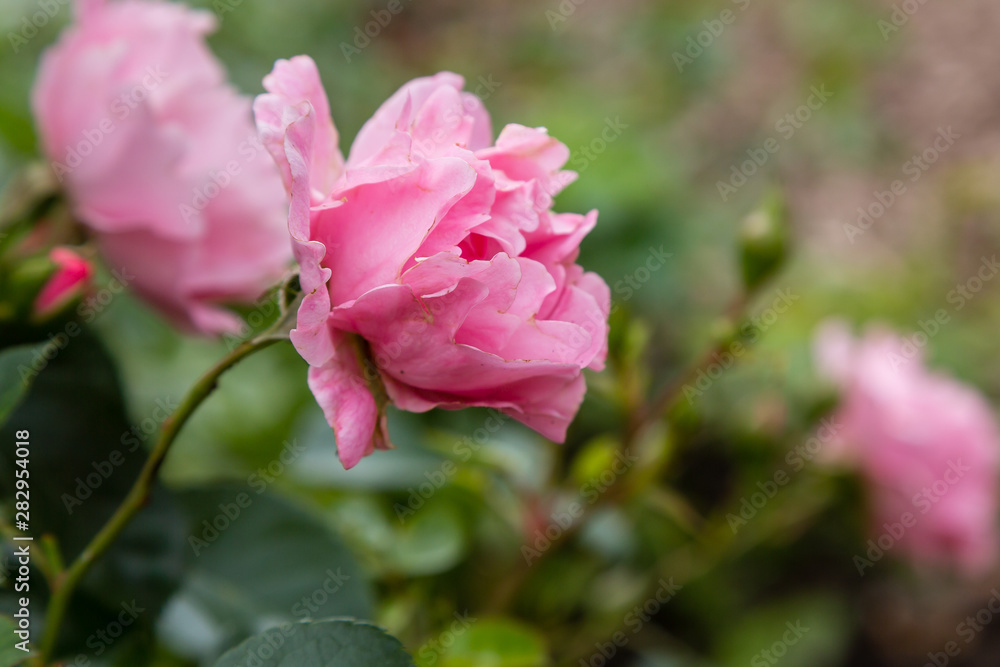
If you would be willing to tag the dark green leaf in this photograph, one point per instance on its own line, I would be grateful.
(15, 376)
(82, 464)
(432, 541)
(334, 643)
(258, 560)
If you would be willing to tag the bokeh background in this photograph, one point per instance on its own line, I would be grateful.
(652, 135)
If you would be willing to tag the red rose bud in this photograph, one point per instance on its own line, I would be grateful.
(71, 277)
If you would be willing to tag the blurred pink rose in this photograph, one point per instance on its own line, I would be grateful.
(70, 279)
(927, 445)
(439, 248)
(161, 160)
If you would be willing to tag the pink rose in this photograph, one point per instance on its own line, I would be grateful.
(160, 159)
(439, 249)
(70, 279)
(927, 445)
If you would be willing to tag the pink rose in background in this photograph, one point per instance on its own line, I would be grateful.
(926, 444)
(70, 279)
(160, 158)
(439, 248)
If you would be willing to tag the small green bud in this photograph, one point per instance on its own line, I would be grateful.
(764, 241)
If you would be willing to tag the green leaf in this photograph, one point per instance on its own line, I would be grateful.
(9, 654)
(433, 541)
(805, 631)
(468, 642)
(333, 643)
(82, 466)
(257, 560)
(14, 384)
(17, 131)
(403, 467)
(595, 458)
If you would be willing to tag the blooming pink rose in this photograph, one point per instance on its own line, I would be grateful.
(71, 277)
(439, 249)
(927, 445)
(161, 160)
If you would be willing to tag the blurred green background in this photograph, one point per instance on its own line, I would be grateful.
(684, 117)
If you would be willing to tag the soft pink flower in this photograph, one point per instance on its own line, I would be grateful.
(439, 248)
(70, 279)
(160, 158)
(927, 445)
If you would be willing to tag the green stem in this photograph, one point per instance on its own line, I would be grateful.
(658, 406)
(137, 497)
(637, 421)
(719, 544)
